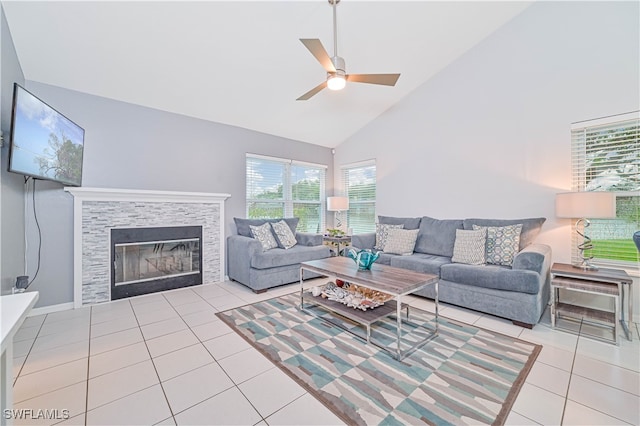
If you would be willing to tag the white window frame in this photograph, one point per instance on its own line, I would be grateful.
(345, 192)
(579, 178)
(288, 201)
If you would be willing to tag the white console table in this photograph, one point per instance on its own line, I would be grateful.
(13, 311)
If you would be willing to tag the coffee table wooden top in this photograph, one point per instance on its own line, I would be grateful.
(391, 280)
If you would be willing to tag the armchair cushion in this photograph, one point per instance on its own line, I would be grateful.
(264, 234)
(283, 234)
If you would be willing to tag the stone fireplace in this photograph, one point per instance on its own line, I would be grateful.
(131, 242)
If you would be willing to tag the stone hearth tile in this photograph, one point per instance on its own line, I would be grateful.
(116, 359)
(157, 329)
(229, 407)
(145, 407)
(171, 342)
(41, 382)
(72, 398)
(115, 340)
(305, 410)
(195, 386)
(120, 383)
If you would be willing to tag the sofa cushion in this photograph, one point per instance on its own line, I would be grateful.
(503, 243)
(382, 234)
(437, 236)
(264, 234)
(408, 222)
(470, 247)
(385, 258)
(281, 257)
(492, 276)
(530, 227)
(242, 225)
(283, 234)
(419, 262)
(401, 241)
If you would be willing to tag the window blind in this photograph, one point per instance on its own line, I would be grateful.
(359, 185)
(278, 187)
(605, 156)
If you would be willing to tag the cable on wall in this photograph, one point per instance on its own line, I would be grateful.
(35, 216)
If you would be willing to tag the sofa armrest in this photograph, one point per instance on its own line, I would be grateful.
(240, 250)
(364, 241)
(535, 257)
(308, 239)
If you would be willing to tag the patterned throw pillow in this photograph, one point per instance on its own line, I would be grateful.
(401, 241)
(284, 236)
(382, 233)
(263, 234)
(503, 243)
(470, 247)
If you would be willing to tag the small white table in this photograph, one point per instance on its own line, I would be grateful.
(13, 311)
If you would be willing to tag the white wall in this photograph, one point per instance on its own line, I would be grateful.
(489, 136)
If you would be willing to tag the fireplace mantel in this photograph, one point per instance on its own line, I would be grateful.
(98, 210)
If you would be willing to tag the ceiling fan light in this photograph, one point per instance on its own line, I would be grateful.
(336, 82)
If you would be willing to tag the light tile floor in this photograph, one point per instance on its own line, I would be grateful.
(167, 359)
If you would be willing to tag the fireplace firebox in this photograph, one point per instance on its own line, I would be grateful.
(147, 260)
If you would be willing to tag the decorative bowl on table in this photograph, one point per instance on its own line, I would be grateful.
(363, 258)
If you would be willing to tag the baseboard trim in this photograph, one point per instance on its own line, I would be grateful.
(50, 309)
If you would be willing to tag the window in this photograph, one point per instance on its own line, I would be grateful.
(359, 183)
(605, 156)
(278, 187)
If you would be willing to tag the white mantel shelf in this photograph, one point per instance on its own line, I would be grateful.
(112, 194)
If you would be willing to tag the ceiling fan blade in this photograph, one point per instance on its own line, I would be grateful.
(313, 91)
(384, 79)
(317, 49)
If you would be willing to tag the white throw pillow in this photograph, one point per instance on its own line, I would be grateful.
(503, 243)
(470, 247)
(263, 234)
(382, 233)
(284, 236)
(401, 241)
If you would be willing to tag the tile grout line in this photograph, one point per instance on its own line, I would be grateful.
(86, 398)
(28, 352)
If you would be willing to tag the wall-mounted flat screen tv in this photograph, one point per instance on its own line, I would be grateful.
(44, 143)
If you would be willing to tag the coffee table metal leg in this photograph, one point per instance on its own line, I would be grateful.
(399, 325)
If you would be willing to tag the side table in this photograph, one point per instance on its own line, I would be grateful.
(343, 241)
(612, 283)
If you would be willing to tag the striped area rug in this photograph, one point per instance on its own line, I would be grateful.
(466, 375)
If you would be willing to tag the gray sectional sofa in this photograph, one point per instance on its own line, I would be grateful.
(519, 292)
(260, 270)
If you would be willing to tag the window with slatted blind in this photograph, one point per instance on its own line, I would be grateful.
(359, 185)
(278, 187)
(605, 156)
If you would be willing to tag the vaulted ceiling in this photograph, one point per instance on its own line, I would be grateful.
(240, 62)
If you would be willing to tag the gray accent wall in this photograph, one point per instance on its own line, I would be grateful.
(489, 136)
(133, 147)
(11, 185)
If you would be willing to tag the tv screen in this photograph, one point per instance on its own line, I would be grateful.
(44, 143)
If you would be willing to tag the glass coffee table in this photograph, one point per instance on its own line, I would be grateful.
(393, 281)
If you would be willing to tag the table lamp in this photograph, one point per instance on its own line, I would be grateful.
(338, 205)
(583, 205)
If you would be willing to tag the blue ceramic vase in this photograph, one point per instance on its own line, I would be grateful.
(363, 258)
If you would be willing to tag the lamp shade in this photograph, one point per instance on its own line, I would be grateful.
(337, 204)
(588, 204)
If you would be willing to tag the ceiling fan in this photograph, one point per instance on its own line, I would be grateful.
(336, 76)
